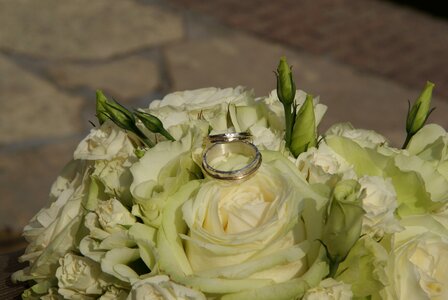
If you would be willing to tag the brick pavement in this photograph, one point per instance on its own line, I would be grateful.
(390, 40)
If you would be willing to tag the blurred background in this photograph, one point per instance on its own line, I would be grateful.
(364, 58)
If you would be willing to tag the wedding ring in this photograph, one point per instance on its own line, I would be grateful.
(225, 146)
(228, 137)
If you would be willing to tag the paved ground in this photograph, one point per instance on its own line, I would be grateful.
(54, 56)
(382, 37)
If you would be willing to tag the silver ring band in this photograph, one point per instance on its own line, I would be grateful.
(221, 149)
(228, 137)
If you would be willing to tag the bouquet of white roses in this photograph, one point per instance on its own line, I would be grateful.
(140, 212)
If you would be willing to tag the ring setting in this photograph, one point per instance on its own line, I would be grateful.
(223, 145)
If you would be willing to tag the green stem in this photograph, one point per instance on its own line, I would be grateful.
(288, 124)
(406, 142)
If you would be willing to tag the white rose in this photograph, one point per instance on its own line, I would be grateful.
(323, 165)
(365, 138)
(113, 216)
(116, 176)
(123, 252)
(105, 142)
(417, 268)
(257, 210)
(79, 277)
(266, 139)
(379, 203)
(161, 288)
(210, 104)
(329, 289)
(52, 231)
(239, 238)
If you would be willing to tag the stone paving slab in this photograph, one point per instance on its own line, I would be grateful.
(391, 40)
(122, 79)
(26, 176)
(32, 108)
(84, 29)
(230, 59)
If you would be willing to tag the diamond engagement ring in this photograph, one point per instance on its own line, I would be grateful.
(222, 145)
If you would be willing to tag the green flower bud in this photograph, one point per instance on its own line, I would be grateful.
(118, 114)
(419, 112)
(344, 222)
(100, 107)
(153, 124)
(286, 88)
(304, 133)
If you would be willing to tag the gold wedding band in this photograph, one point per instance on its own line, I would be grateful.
(222, 145)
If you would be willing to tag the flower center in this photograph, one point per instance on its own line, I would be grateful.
(244, 208)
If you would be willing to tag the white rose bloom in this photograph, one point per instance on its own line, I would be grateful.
(239, 238)
(379, 203)
(106, 142)
(417, 268)
(78, 277)
(249, 210)
(365, 138)
(116, 176)
(265, 139)
(113, 216)
(202, 98)
(323, 165)
(161, 288)
(329, 289)
(52, 231)
(210, 104)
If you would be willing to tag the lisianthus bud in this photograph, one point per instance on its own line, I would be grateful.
(419, 112)
(304, 133)
(344, 222)
(101, 113)
(153, 124)
(286, 88)
(118, 114)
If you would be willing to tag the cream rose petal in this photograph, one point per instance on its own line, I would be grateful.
(105, 142)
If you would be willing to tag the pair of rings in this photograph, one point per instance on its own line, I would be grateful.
(222, 145)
